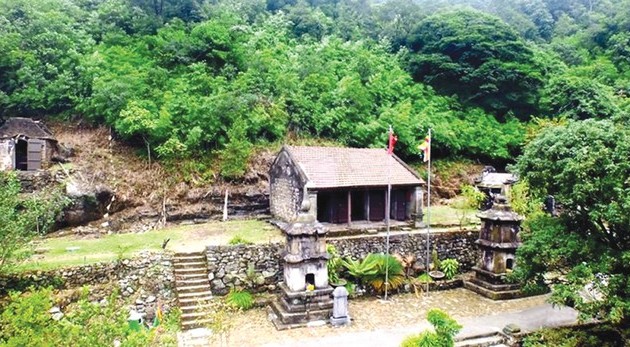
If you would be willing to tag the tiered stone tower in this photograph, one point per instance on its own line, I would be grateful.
(498, 240)
(305, 293)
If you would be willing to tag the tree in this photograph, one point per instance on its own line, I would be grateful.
(445, 330)
(585, 166)
(578, 98)
(21, 220)
(477, 57)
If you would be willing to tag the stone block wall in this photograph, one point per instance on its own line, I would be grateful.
(229, 266)
(459, 245)
(148, 275)
(255, 267)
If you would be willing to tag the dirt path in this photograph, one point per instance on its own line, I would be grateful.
(405, 313)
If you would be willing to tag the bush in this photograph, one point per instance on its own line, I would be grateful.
(238, 240)
(371, 270)
(333, 264)
(450, 267)
(240, 299)
(445, 329)
(26, 321)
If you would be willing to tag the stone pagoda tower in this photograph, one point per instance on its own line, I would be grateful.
(305, 293)
(498, 240)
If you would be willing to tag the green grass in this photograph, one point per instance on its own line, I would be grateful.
(445, 215)
(111, 247)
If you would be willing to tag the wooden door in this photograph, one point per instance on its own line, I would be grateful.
(34, 154)
(400, 205)
(377, 205)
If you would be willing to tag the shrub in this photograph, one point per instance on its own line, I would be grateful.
(333, 264)
(240, 299)
(450, 267)
(238, 240)
(425, 278)
(26, 321)
(445, 329)
(372, 269)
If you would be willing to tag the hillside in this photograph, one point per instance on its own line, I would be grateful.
(146, 196)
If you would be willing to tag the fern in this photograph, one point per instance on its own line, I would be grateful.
(240, 299)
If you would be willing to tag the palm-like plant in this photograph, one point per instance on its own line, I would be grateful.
(371, 270)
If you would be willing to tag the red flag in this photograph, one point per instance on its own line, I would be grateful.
(392, 141)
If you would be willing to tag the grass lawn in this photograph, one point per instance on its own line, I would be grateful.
(110, 247)
(444, 215)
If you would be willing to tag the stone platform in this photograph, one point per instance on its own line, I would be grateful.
(493, 286)
(297, 309)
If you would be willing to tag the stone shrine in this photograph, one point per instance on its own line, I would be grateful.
(340, 307)
(498, 240)
(305, 293)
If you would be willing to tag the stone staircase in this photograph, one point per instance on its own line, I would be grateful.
(494, 339)
(192, 288)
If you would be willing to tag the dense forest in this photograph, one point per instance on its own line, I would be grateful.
(187, 78)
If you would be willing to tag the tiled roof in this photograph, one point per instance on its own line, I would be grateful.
(329, 167)
(24, 126)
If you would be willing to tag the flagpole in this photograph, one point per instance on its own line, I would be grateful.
(428, 207)
(387, 207)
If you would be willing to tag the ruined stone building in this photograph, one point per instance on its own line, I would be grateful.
(25, 145)
(343, 185)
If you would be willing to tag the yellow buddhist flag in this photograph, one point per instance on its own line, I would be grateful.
(425, 148)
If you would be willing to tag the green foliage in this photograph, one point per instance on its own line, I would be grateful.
(425, 278)
(240, 299)
(371, 270)
(22, 219)
(603, 335)
(239, 240)
(477, 57)
(435, 260)
(584, 165)
(334, 264)
(578, 98)
(450, 267)
(25, 321)
(445, 329)
(470, 199)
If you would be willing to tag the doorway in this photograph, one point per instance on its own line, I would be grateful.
(21, 155)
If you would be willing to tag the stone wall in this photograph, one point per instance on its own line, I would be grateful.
(258, 267)
(255, 267)
(459, 245)
(148, 275)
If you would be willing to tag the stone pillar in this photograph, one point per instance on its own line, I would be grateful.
(340, 307)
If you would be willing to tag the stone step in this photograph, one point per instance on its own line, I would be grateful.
(190, 265)
(494, 295)
(196, 307)
(198, 323)
(194, 281)
(189, 258)
(193, 289)
(189, 254)
(190, 271)
(481, 341)
(189, 301)
(187, 317)
(190, 276)
(194, 295)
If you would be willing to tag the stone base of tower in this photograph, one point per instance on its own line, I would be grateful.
(297, 309)
(493, 286)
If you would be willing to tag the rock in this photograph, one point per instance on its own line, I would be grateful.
(150, 299)
(210, 276)
(139, 302)
(57, 316)
(54, 310)
(218, 284)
